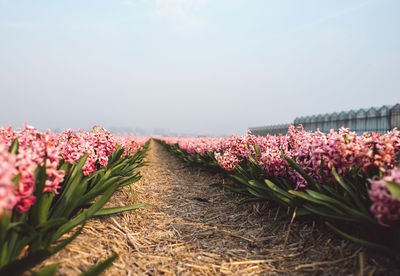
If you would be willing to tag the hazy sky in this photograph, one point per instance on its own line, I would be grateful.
(206, 66)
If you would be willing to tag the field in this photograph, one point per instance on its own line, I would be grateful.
(82, 202)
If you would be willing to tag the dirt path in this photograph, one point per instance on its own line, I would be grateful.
(195, 229)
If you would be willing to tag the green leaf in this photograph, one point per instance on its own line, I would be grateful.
(64, 166)
(116, 170)
(45, 226)
(100, 267)
(335, 194)
(74, 204)
(257, 193)
(241, 180)
(282, 200)
(241, 171)
(394, 188)
(114, 210)
(235, 189)
(256, 149)
(39, 212)
(342, 205)
(308, 178)
(353, 193)
(98, 190)
(44, 207)
(40, 180)
(284, 183)
(115, 156)
(13, 149)
(18, 267)
(132, 179)
(16, 179)
(276, 189)
(47, 271)
(68, 192)
(82, 217)
(360, 241)
(258, 185)
(131, 192)
(253, 161)
(325, 198)
(326, 213)
(341, 182)
(309, 198)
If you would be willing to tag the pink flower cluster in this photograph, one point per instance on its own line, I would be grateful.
(7, 173)
(313, 152)
(17, 172)
(270, 158)
(35, 148)
(234, 150)
(381, 150)
(199, 146)
(130, 144)
(385, 206)
(342, 150)
(227, 151)
(98, 145)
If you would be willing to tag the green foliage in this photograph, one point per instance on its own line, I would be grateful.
(394, 189)
(100, 267)
(47, 271)
(80, 198)
(116, 210)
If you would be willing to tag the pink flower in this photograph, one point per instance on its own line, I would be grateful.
(7, 173)
(385, 206)
(313, 152)
(48, 149)
(227, 159)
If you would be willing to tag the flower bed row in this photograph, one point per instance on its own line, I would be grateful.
(52, 182)
(347, 179)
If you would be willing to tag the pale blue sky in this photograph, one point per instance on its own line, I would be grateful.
(206, 66)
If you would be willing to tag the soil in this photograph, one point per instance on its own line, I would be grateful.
(192, 228)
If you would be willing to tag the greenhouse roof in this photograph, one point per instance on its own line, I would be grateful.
(341, 113)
